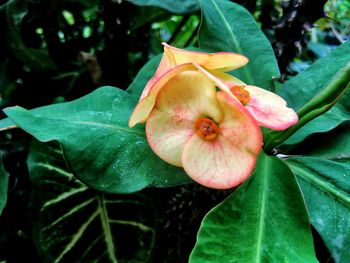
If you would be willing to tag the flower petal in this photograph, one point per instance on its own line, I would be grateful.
(185, 98)
(167, 62)
(269, 109)
(167, 135)
(145, 106)
(230, 159)
(226, 78)
(223, 84)
(223, 61)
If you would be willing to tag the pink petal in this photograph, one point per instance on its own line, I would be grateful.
(227, 161)
(167, 63)
(269, 109)
(183, 99)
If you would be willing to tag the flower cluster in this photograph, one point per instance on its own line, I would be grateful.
(202, 119)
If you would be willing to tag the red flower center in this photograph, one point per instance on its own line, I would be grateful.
(207, 129)
(241, 94)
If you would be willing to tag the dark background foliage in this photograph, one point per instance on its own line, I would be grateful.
(54, 51)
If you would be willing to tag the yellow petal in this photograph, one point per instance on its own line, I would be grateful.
(227, 78)
(223, 84)
(230, 159)
(184, 99)
(145, 106)
(223, 61)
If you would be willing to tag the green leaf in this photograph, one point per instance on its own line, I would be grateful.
(227, 26)
(99, 147)
(6, 124)
(264, 220)
(326, 188)
(4, 180)
(180, 7)
(37, 59)
(302, 88)
(72, 223)
(328, 121)
(318, 105)
(143, 76)
(335, 144)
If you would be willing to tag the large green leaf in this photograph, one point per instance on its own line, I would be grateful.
(37, 59)
(72, 223)
(265, 220)
(99, 147)
(300, 89)
(322, 102)
(4, 179)
(335, 144)
(227, 26)
(326, 188)
(180, 7)
(303, 87)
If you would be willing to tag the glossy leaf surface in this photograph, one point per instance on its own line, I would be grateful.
(335, 144)
(264, 220)
(97, 227)
(326, 188)
(321, 103)
(227, 26)
(99, 147)
(300, 89)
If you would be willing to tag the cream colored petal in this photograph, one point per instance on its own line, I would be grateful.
(145, 106)
(224, 61)
(227, 78)
(184, 99)
(227, 161)
(167, 135)
(269, 109)
(220, 83)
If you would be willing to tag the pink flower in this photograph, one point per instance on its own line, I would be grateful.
(208, 133)
(214, 135)
(175, 61)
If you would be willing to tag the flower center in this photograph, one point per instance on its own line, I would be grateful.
(206, 128)
(241, 94)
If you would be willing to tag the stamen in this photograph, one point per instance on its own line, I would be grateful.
(207, 129)
(241, 94)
